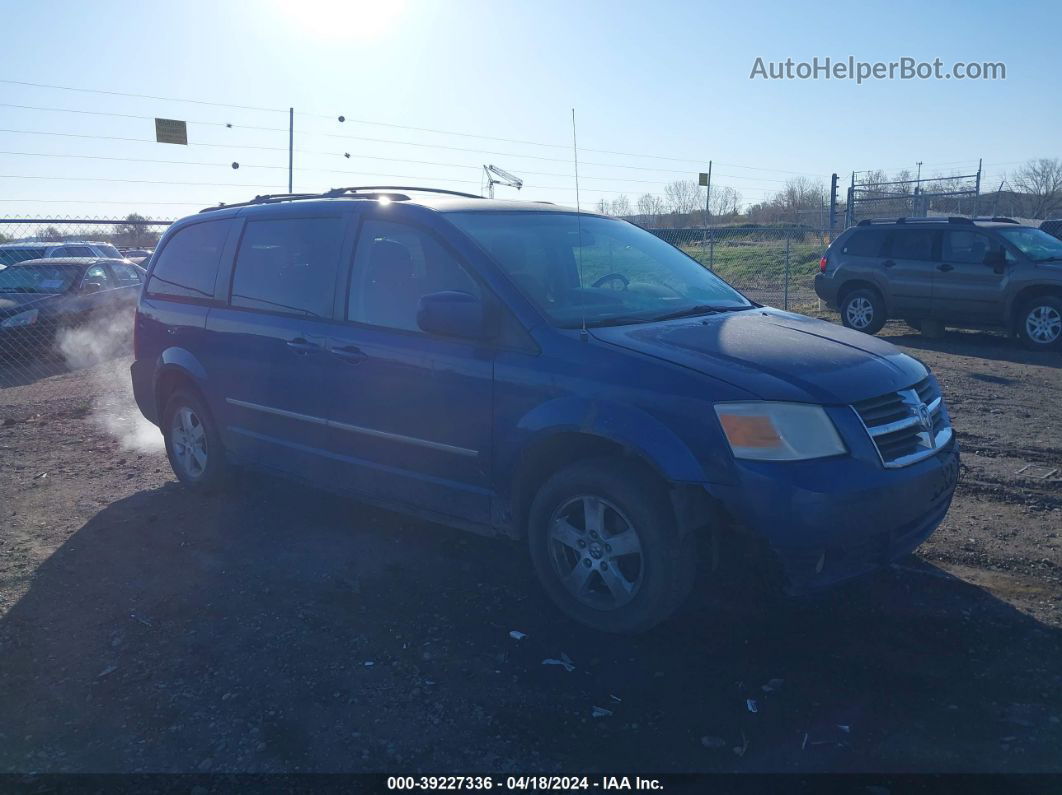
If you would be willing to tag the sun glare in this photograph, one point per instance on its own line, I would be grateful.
(343, 19)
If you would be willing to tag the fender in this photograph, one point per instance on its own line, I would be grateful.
(623, 424)
(181, 361)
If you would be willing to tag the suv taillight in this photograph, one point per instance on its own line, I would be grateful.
(822, 264)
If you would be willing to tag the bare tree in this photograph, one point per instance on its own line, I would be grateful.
(621, 206)
(133, 232)
(724, 201)
(650, 208)
(683, 196)
(603, 206)
(48, 234)
(1040, 180)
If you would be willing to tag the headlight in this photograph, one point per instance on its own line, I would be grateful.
(27, 318)
(764, 431)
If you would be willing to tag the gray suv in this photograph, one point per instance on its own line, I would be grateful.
(971, 273)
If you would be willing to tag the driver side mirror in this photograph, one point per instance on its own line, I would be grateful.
(452, 313)
(91, 287)
(995, 257)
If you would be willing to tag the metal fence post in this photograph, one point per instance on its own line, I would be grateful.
(711, 251)
(785, 297)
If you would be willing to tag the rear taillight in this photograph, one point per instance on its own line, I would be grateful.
(822, 264)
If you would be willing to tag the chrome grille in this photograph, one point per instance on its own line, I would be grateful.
(906, 426)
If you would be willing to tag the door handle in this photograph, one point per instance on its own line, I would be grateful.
(301, 345)
(349, 353)
(888, 263)
(945, 267)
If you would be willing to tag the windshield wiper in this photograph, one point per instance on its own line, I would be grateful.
(699, 309)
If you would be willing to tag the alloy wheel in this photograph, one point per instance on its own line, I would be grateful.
(596, 552)
(860, 312)
(1043, 324)
(189, 442)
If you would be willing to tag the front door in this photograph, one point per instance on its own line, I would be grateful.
(410, 413)
(910, 267)
(969, 284)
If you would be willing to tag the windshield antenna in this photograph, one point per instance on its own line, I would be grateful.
(578, 224)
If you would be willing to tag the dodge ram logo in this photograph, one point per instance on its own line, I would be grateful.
(923, 417)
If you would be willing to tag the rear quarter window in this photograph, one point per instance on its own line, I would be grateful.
(865, 243)
(188, 266)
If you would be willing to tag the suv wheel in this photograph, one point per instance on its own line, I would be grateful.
(192, 442)
(605, 547)
(863, 310)
(1040, 323)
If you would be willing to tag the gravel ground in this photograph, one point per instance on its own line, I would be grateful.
(143, 628)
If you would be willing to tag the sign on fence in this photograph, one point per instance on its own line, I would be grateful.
(171, 131)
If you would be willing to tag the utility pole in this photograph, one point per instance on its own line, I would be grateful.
(833, 203)
(918, 178)
(705, 180)
(291, 144)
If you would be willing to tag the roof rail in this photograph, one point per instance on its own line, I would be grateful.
(370, 192)
(953, 219)
(999, 219)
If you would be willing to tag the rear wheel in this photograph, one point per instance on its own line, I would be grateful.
(1040, 323)
(605, 547)
(863, 310)
(192, 442)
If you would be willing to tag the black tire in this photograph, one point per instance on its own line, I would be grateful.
(661, 572)
(914, 324)
(863, 310)
(1039, 323)
(203, 466)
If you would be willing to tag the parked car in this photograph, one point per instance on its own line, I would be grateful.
(524, 370)
(136, 255)
(11, 253)
(41, 297)
(1053, 227)
(963, 272)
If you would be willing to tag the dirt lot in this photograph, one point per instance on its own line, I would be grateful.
(279, 629)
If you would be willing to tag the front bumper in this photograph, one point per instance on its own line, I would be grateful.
(824, 522)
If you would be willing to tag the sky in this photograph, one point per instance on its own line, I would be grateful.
(432, 91)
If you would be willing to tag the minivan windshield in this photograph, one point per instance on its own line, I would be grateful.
(597, 270)
(1035, 244)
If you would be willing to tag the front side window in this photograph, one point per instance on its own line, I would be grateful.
(967, 246)
(97, 274)
(288, 265)
(916, 244)
(394, 266)
(596, 270)
(1035, 244)
(188, 265)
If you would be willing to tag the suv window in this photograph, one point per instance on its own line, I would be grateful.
(967, 246)
(107, 250)
(75, 251)
(9, 256)
(125, 274)
(865, 243)
(912, 244)
(394, 266)
(288, 265)
(188, 265)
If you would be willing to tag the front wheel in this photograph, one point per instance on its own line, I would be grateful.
(1040, 323)
(605, 546)
(863, 310)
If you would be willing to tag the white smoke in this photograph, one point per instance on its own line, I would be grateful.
(102, 345)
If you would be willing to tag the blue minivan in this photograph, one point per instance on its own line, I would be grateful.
(529, 371)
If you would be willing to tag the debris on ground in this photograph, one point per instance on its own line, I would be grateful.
(110, 669)
(600, 712)
(564, 661)
(752, 705)
(617, 699)
(517, 635)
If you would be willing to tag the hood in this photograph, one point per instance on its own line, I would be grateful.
(775, 355)
(13, 303)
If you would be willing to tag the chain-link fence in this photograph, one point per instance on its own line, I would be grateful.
(68, 289)
(774, 265)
